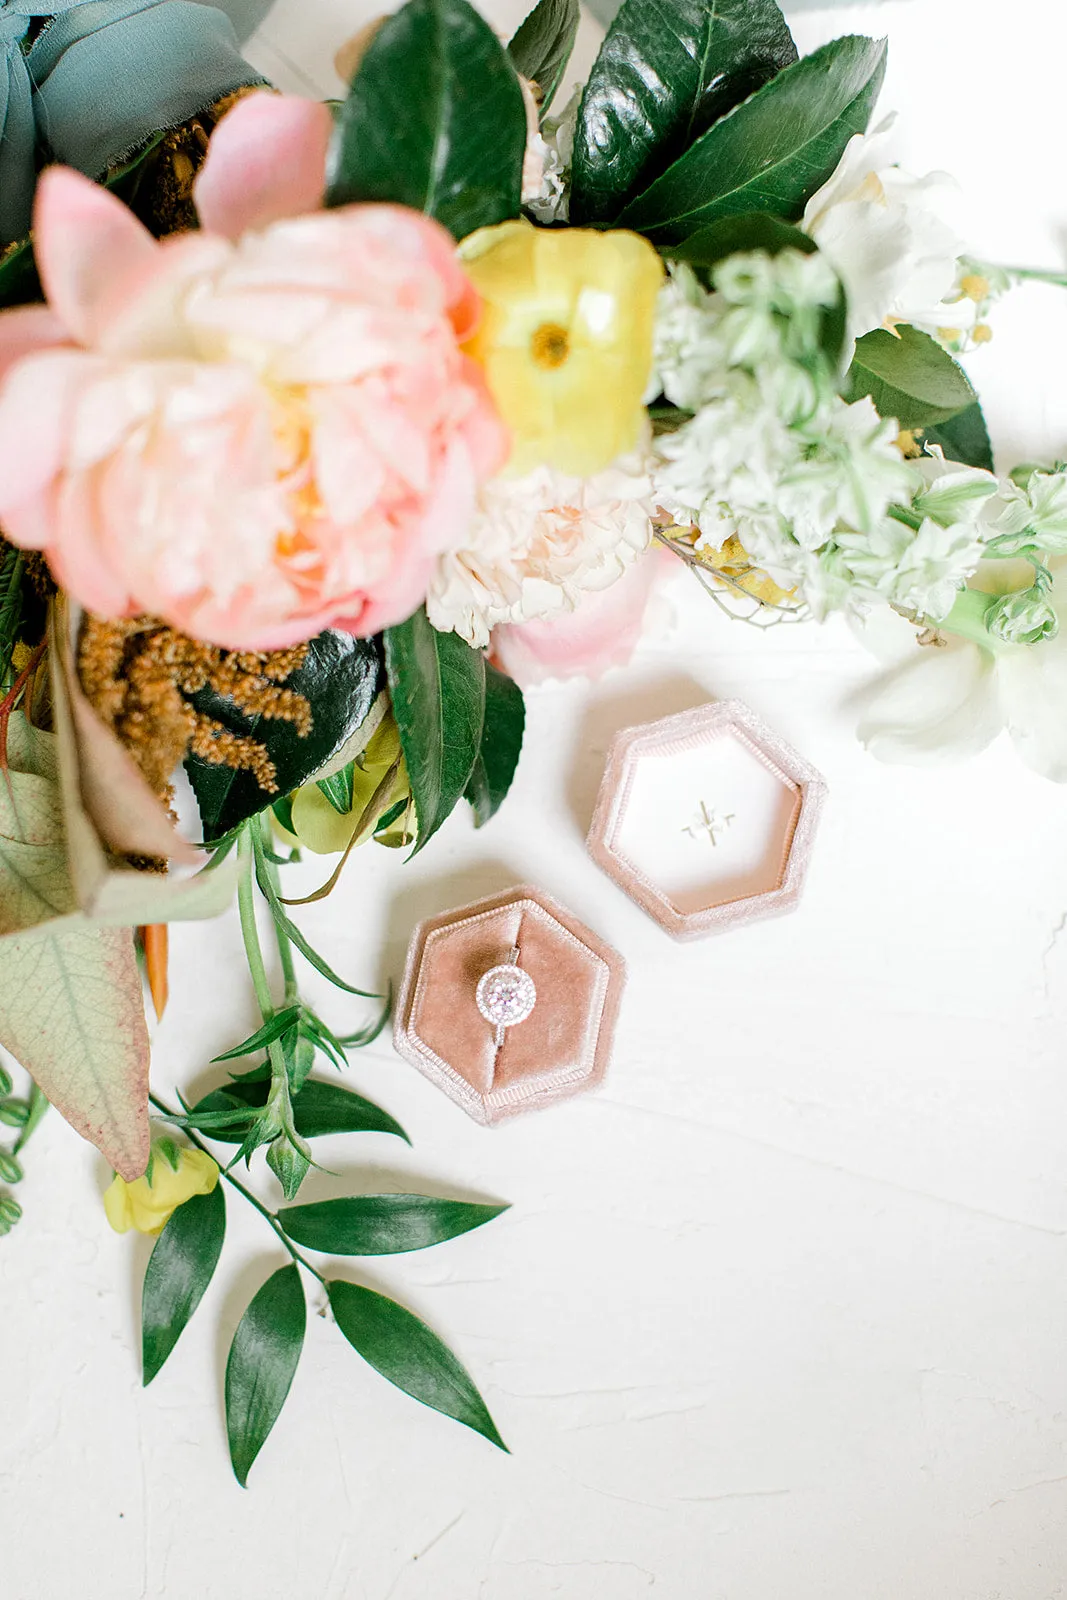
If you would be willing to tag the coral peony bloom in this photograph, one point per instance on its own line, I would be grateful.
(254, 432)
(174, 1176)
(565, 339)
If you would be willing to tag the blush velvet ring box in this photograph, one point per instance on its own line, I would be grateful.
(562, 1042)
(707, 819)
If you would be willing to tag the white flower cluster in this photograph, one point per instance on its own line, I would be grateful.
(814, 489)
(539, 544)
(550, 200)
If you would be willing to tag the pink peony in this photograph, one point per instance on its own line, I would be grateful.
(256, 431)
(603, 632)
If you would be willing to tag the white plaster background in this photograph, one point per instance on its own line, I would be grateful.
(781, 1314)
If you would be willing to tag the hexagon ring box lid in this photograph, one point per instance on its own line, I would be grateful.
(707, 819)
(509, 1004)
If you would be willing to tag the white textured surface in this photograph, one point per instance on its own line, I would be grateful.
(782, 1313)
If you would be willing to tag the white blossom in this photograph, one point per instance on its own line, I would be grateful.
(549, 199)
(884, 233)
(539, 543)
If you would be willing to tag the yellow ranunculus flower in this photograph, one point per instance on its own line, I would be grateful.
(321, 828)
(148, 1203)
(565, 339)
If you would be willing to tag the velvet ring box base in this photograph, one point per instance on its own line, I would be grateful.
(562, 1048)
(707, 819)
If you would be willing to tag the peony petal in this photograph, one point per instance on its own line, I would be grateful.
(88, 245)
(602, 633)
(266, 161)
(25, 331)
(37, 405)
(941, 705)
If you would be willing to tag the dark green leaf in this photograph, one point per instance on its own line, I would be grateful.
(756, 230)
(263, 1359)
(502, 735)
(666, 73)
(542, 47)
(279, 1024)
(318, 1109)
(908, 376)
(289, 1165)
(396, 1344)
(434, 120)
(965, 438)
(437, 684)
(340, 680)
(382, 1224)
(771, 152)
(179, 1270)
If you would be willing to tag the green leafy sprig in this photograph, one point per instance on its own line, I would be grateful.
(23, 1115)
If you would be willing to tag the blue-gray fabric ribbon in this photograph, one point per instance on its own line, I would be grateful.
(98, 80)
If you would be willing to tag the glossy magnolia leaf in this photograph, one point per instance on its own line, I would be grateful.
(502, 735)
(542, 47)
(382, 1224)
(340, 679)
(756, 230)
(179, 1270)
(909, 376)
(665, 74)
(434, 120)
(319, 1109)
(395, 1343)
(72, 1013)
(771, 152)
(437, 684)
(261, 1366)
(965, 438)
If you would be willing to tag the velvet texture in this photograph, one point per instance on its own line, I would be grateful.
(772, 883)
(561, 1048)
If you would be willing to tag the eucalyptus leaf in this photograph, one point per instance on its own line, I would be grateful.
(262, 1364)
(402, 1348)
(340, 679)
(434, 120)
(179, 1270)
(319, 1109)
(772, 151)
(382, 1224)
(964, 437)
(909, 376)
(438, 688)
(542, 47)
(502, 736)
(666, 73)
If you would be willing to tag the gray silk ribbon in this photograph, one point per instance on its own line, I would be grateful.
(100, 78)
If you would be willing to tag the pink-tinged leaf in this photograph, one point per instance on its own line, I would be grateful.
(266, 161)
(72, 1014)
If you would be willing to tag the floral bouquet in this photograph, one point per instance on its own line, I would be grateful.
(327, 428)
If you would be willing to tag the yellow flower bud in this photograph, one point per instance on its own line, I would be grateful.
(975, 287)
(148, 1203)
(319, 827)
(981, 333)
(565, 339)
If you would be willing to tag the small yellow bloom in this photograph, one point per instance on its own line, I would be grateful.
(379, 781)
(565, 339)
(148, 1203)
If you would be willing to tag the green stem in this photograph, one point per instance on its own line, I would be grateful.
(285, 946)
(1038, 275)
(235, 1183)
(246, 904)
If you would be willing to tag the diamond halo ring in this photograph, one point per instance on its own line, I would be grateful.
(506, 995)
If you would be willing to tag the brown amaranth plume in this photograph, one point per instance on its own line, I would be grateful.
(137, 675)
